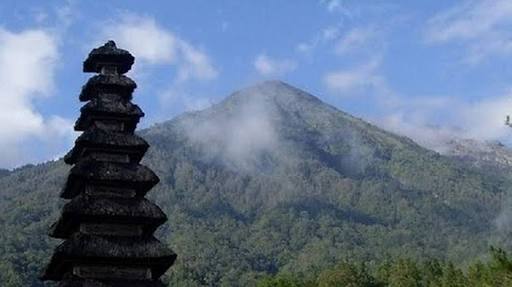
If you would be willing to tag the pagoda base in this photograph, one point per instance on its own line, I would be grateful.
(123, 283)
(73, 281)
(109, 272)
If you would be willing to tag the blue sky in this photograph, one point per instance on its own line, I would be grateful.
(430, 70)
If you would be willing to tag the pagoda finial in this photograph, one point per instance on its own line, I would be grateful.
(108, 55)
(110, 44)
(108, 224)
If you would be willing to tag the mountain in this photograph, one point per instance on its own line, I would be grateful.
(4, 172)
(489, 155)
(274, 180)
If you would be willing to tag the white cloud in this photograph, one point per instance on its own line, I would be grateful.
(153, 44)
(485, 27)
(363, 40)
(224, 26)
(238, 137)
(429, 136)
(355, 39)
(326, 35)
(485, 119)
(267, 66)
(425, 120)
(145, 39)
(304, 47)
(179, 98)
(330, 33)
(420, 124)
(343, 82)
(333, 5)
(196, 64)
(430, 121)
(27, 66)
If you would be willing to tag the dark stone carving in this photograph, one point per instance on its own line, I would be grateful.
(108, 55)
(108, 84)
(108, 225)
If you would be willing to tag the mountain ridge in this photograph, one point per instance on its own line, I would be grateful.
(274, 180)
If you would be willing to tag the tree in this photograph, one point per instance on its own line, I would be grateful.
(404, 273)
(346, 275)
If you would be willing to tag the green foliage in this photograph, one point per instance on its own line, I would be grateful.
(404, 273)
(331, 188)
(346, 275)
(408, 273)
(498, 272)
(281, 281)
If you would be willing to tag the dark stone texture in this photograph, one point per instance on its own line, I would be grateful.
(73, 281)
(114, 142)
(108, 225)
(98, 85)
(111, 251)
(109, 107)
(85, 208)
(108, 53)
(133, 176)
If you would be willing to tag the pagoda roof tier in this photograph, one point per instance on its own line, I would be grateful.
(96, 139)
(85, 208)
(94, 250)
(79, 282)
(108, 108)
(108, 55)
(119, 175)
(117, 123)
(111, 105)
(107, 84)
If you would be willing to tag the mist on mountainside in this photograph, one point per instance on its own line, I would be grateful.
(271, 180)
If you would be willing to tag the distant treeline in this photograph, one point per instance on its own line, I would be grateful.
(496, 272)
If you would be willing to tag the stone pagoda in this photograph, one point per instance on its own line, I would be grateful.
(108, 225)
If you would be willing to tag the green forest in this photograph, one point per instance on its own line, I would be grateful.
(320, 198)
(496, 272)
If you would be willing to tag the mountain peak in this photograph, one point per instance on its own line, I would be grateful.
(273, 90)
(276, 84)
(258, 127)
(272, 83)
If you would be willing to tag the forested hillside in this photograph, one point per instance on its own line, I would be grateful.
(399, 272)
(272, 180)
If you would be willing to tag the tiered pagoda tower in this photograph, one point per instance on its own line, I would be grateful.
(108, 225)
